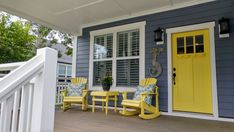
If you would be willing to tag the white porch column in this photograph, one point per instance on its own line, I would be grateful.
(44, 93)
(74, 52)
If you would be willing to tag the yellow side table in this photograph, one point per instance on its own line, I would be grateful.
(104, 97)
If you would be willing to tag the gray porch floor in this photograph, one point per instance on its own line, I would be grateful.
(75, 120)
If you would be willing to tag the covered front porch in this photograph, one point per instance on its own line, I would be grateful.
(75, 120)
(127, 31)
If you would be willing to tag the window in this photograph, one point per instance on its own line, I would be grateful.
(64, 70)
(128, 43)
(103, 46)
(128, 72)
(118, 52)
(69, 71)
(194, 44)
(180, 45)
(127, 69)
(199, 44)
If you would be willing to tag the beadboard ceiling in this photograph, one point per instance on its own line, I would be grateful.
(72, 15)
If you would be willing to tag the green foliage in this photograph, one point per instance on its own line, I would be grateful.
(16, 43)
(107, 80)
(19, 40)
(46, 37)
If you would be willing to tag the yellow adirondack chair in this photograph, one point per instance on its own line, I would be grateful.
(139, 106)
(68, 100)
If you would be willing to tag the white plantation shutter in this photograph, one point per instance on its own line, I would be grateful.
(127, 69)
(118, 51)
(128, 43)
(128, 72)
(123, 63)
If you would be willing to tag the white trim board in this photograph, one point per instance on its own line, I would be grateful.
(114, 30)
(197, 116)
(184, 115)
(74, 56)
(144, 13)
(210, 26)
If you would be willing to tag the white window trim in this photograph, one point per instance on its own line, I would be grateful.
(114, 31)
(210, 26)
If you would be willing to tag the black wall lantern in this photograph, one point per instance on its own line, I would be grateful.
(159, 36)
(224, 27)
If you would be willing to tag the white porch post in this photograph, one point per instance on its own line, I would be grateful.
(74, 52)
(44, 93)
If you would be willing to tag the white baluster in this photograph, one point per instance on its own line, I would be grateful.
(10, 102)
(3, 115)
(6, 114)
(15, 111)
(29, 116)
(24, 108)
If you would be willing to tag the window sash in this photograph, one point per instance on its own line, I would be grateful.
(98, 72)
(103, 47)
(128, 43)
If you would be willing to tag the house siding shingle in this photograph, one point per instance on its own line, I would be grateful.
(202, 13)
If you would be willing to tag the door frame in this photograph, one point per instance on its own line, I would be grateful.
(170, 31)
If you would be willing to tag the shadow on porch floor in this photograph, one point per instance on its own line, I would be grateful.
(75, 120)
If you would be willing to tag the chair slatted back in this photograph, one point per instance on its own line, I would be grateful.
(148, 81)
(79, 80)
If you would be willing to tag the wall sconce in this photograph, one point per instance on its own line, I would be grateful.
(159, 36)
(224, 28)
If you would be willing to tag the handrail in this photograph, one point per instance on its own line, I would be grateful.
(27, 94)
(20, 75)
(10, 66)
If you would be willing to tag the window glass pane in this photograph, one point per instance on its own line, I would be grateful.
(180, 45)
(128, 43)
(101, 69)
(69, 71)
(128, 72)
(103, 46)
(189, 44)
(62, 70)
(199, 43)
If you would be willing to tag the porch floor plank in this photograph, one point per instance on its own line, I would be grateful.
(75, 120)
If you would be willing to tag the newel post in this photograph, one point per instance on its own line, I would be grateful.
(44, 93)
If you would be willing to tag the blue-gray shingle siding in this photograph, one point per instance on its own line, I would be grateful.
(224, 48)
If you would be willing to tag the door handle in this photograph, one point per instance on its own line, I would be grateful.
(174, 76)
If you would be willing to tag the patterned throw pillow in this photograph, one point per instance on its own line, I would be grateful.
(75, 90)
(141, 89)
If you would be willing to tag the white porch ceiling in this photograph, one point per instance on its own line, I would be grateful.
(72, 15)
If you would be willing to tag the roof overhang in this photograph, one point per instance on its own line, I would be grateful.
(71, 16)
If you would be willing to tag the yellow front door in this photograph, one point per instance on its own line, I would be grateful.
(192, 72)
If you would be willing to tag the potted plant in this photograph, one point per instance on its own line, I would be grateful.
(106, 83)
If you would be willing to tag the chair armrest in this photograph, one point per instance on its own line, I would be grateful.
(148, 93)
(156, 89)
(85, 93)
(143, 95)
(63, 92)
(125, 93)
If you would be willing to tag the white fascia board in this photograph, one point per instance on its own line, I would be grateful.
(143, 13)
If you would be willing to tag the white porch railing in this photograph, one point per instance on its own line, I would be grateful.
(27, 95)
(60, 86)
(5, 68)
